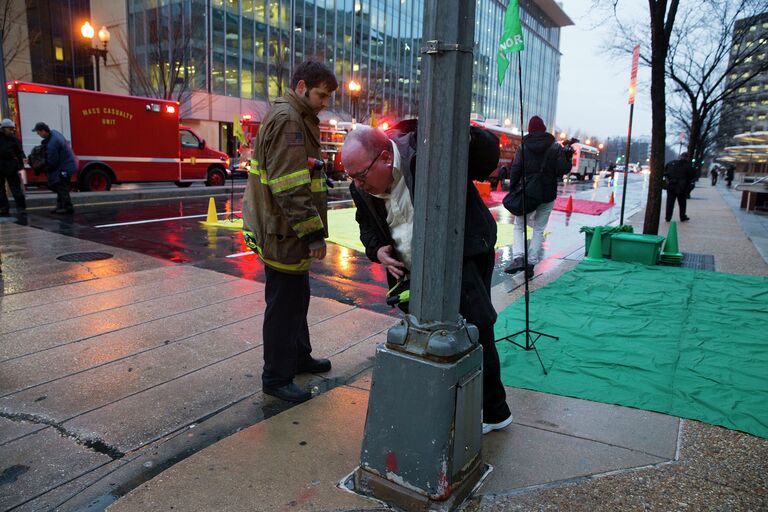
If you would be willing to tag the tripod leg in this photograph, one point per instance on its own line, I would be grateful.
(540, 361)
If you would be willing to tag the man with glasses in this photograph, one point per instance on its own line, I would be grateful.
(382, 167)
(285, 223)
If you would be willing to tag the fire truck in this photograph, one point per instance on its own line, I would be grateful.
(331, 140)
(116, 139)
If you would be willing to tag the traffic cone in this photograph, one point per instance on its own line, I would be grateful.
(498, 186)
(569, 205)
(611, 200)
(212, 217)
(596, 246)
(671, 253)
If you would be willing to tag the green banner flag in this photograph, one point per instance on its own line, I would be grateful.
(511, 39)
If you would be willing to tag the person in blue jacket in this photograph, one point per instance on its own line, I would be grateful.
(61, 165)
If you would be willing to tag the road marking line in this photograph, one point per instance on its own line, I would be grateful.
(240, 254)
(148, 221)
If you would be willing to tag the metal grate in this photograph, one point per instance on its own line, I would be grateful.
(698, 261)
(80, 257)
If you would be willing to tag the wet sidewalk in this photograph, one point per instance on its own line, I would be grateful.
(560, 453)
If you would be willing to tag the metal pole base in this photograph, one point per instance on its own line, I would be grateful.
(423, 433)
(371, 485)
(530, 344)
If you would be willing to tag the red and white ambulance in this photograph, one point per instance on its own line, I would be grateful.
(117, 139)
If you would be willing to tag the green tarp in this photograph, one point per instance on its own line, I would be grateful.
(689, 343)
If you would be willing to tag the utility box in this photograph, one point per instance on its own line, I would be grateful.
(636, 248)
(605, 236)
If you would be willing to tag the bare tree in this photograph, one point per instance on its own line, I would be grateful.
(16, 40)
(161, 70)
(705, 52)
(280, 54)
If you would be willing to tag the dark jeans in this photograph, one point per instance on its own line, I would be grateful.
(63, 201)
(286, 333)
(14, 183)
(476, 298)
(679, 192)
(714, 180)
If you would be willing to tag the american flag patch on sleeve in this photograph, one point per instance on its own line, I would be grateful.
(294, 138)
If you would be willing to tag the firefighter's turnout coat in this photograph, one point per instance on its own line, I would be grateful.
(284, 206)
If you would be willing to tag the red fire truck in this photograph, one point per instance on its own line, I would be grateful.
(117, 139)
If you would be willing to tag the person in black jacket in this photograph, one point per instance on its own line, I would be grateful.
(11, 161)
(541, 154)
(679, 175)
(382, 167)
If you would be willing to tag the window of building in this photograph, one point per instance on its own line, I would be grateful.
(754, 88)
(59, 53)
(750, 117)
(742, 89)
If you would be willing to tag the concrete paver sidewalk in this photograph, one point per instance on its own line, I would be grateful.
(560, 454)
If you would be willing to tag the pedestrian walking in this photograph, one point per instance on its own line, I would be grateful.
(679, 175)
(382, 167)
(729, 171)
(713, 174)
(546, 162)
(11, 162)
(285, 223)
(60, 165)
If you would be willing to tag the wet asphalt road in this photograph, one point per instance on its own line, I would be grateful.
(171, 230)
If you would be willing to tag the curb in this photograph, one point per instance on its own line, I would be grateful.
(48, 199)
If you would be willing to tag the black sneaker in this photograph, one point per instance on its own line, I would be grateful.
(683, 219)
(515, 267)
(529, 271)
(313, 365)
(290, 393)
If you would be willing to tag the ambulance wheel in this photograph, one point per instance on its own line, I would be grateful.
(96, 180)
(183, 184)
(216, 177)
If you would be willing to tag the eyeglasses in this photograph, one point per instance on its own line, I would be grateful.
(360, 176)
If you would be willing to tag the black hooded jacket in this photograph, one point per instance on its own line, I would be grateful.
(538, 147)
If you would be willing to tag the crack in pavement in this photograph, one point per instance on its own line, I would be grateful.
(92, 443)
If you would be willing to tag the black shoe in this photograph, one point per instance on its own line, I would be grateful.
(315, 366)
(290, 393)
(668, 220)
(683, 219)
(529, 271)
(515, 267)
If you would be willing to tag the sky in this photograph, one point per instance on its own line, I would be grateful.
(593, 90)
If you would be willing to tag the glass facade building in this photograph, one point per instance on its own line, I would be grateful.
(246, 48)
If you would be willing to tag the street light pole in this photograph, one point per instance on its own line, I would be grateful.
(87, 31)
(423, 433)
(354, 92)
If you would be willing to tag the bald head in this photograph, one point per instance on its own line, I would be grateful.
(367, 158)
(364, 138)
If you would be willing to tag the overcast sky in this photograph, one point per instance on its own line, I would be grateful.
(593, 91)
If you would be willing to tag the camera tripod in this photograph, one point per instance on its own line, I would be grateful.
(531, 336)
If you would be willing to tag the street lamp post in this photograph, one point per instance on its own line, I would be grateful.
(87, 31)
(354, 92)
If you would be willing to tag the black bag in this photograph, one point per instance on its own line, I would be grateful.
(37, 159)
(513, 201)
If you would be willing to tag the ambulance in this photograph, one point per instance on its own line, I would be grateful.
(116, 139)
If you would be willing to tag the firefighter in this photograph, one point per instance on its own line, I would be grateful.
(60, 166)
(285, 223)
(11, 161)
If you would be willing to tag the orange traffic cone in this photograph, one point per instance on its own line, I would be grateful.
(569, 206)
(498, 186)
(611, 200)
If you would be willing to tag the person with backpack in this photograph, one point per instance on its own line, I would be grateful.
(61, 164)
(11, 161)
(382, 167)
(546, 162)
